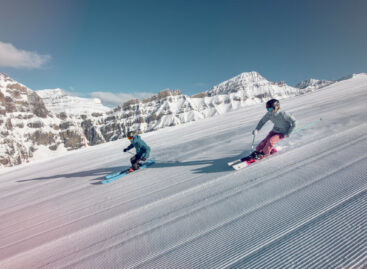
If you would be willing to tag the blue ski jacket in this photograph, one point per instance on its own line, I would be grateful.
(142, 149)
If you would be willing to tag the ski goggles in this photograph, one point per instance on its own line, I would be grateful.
(129, 137)
(270, 109)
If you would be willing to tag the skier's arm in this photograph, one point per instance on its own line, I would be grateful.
(262, 121)
(129, 147)
(291, 121)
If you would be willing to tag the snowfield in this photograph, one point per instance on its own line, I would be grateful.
(304, 207)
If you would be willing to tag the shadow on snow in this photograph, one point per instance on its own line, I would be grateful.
(206, 167)
(100, 173)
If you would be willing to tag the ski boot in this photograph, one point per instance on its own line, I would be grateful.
(244, 159)
(257, 155)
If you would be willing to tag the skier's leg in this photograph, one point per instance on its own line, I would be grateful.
(262, 144)
(134, 162)
(137, 159)
(271, 141)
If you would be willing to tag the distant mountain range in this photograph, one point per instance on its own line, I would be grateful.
(313, 84)
(39, 124)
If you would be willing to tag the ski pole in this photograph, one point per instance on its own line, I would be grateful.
(253, 142)
(129, 152)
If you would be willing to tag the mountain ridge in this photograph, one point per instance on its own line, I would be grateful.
(57, 101)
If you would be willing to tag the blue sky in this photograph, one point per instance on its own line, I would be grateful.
(120, 49)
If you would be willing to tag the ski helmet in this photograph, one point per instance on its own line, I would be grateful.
(272, 104)
(130, 134)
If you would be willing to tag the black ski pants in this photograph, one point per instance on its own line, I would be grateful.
(135, 162)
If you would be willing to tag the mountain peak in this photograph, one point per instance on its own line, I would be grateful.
(5, 78)
(250, 77)
(57, 91)
(250, 82)
(57, 101)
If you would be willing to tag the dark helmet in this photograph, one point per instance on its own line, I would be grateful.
(273, 103)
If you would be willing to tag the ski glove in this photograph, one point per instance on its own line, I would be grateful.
(254, 132)
(125, 149)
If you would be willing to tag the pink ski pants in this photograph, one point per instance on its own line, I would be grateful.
(268, 143)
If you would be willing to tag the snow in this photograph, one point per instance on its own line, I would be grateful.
(313, 84)
(44, 153)
(57, 101)
(304, 207)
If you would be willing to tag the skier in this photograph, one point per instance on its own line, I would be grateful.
(142, 150)
(284, 124)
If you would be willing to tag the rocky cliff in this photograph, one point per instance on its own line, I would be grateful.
(26, 126)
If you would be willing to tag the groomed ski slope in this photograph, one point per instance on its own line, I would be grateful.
(304, 207)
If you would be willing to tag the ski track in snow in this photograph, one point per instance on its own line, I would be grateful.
(301, 208)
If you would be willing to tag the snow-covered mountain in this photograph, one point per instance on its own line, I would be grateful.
(304, 207)
(34, 127)
(314, 84)
(170, 108)
(57, 101)
(252, 86)
(28, 130)
(352, 76)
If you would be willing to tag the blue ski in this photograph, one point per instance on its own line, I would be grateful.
(114, 176)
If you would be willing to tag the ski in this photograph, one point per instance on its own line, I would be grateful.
(112, 177)
(241, 165)
(238, 164)
(234, 162)
(116, 174)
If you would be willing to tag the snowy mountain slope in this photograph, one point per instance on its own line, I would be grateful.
(71, 123)
(58, 101)
(313, 84)
(302, 208)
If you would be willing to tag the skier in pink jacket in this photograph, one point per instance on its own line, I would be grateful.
(284, 124)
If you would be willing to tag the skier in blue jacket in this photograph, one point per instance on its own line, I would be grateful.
(142, 150)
